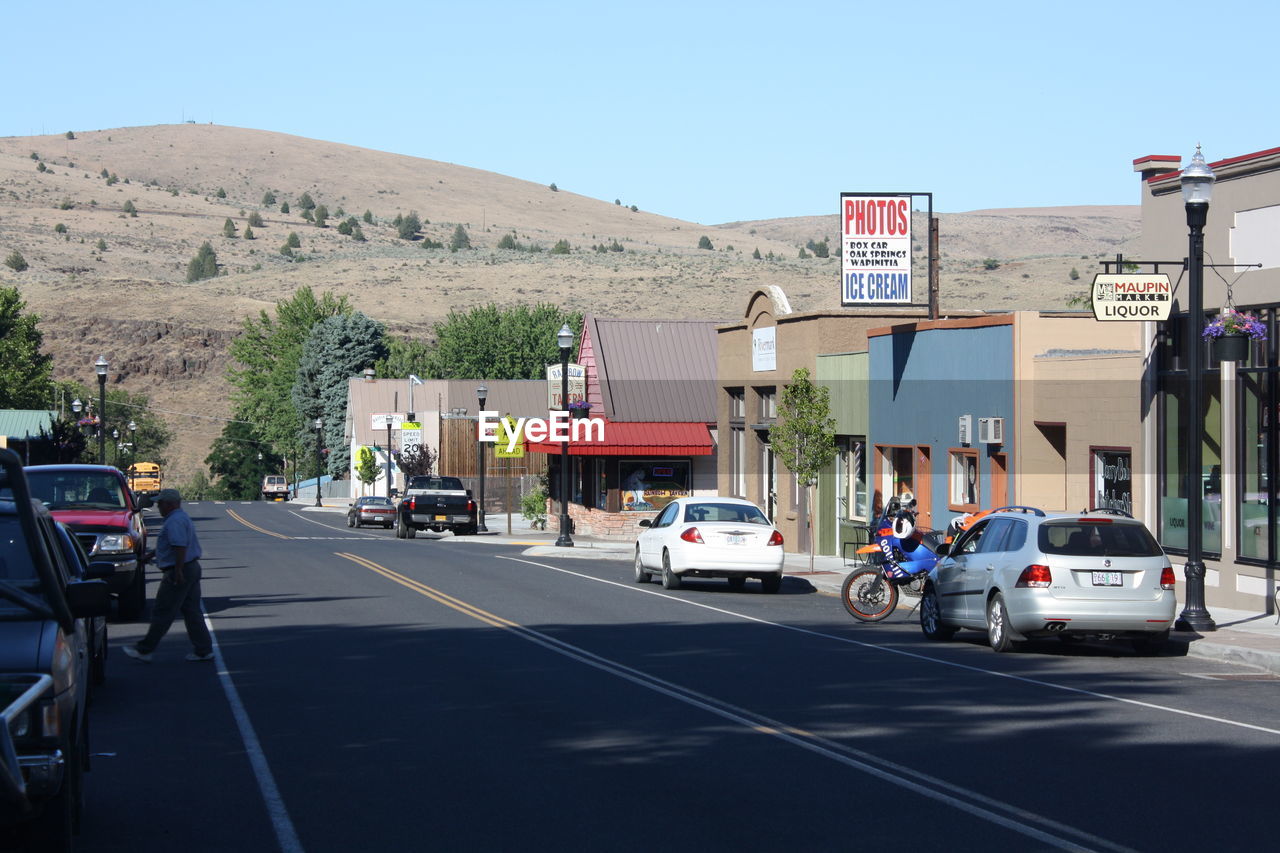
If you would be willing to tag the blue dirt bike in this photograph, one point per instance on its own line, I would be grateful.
(901, 556)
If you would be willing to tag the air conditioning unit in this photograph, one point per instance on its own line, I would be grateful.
(990, 430)
(966, 429)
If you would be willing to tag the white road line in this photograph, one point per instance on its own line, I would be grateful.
(917, 656)
(286, 836)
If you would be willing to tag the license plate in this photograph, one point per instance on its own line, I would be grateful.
(1107, 579)
(446, 518)
(737, 540)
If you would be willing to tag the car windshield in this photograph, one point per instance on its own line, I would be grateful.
(436, 484)
(75, 489)
(732, 513)
(16, 569)
(375, 501)
(1098, 538)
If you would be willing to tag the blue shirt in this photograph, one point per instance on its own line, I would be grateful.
(178, 532)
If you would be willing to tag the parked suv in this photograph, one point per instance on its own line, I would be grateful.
(96, 503)
(45, 616)
(1020, 573)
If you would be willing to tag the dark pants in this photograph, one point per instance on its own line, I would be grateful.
(173, 598)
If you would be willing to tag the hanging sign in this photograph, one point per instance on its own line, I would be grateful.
(1132, 297)
(577, 385)
(875, 249)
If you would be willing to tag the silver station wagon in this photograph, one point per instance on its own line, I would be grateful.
(1021, 573)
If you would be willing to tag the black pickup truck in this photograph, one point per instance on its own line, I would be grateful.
(46, 613)
(436, 503)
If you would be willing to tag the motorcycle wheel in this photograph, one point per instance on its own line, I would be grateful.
(868, 595)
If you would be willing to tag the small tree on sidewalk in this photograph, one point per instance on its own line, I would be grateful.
(804, 437)
(367, 467)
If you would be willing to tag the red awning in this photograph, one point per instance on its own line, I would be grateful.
(639, 439)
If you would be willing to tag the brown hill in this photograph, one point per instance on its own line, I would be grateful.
(131, 303)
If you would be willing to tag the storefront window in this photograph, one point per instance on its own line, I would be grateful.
(1257, 407)
(1113, 480)
(648, 484)
(964, 480)
(897, 473)
(851, 479)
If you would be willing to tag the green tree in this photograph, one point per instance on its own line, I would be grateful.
(284, 207)
(368, 217)
(16, 262)
(804, 435)
(255, 219)
(990, 264)
(198, 488)
(820, 250)
(62, 443)
(101, 245)
(488, 342)
(203, 265)
(25, 372)
(345, 227)
(554, 188)
(1074, 275)
(405, 356)
(756, 254)
(268, 198)
(408, 226)
(233, 460)
(70, 135)
(336, 349)
(221, 193)
(306, 202)
(60, 228)
(308, 216)
(460, 239)
(248, 233)
(229, 229)
(322, 216)
(130, 209)
(704, 242)
(366, 466)
(293, 241)
(357, 234)
(561, 248)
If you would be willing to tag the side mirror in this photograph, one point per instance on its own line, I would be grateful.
(88, 598)
(144, 502)
(645, 522)
(99, 569)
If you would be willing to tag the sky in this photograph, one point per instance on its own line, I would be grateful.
(710, 112)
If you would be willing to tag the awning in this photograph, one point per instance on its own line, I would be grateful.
(664, 438)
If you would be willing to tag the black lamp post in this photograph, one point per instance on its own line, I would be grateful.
(101, 366)
(319, 461)
(565, 340)
(1197, 188)
(482, 394)
(115, 437)
(133, 446)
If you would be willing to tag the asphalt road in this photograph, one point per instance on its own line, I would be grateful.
(382, 694)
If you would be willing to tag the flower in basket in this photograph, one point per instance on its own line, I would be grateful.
(579, 406)
(1233, 322)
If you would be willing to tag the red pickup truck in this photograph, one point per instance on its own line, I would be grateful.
(96, 503)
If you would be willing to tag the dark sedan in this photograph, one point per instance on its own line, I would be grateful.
(372, 510)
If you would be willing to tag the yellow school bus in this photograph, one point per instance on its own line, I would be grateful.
(144, 478)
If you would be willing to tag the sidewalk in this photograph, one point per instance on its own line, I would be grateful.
(1243, 637)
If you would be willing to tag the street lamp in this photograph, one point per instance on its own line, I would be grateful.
(482, 394)
(319, 463)
(1197, 188)
(115, 437)
(133, 444)
(564, 338)
(101, 366)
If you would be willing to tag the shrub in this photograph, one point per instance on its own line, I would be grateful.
(101, 245)
(129, 208)
(229, 229)
(408, 226)
(221, 193)
(459, 240)
(255, 219)
(113, 179)
(1074, 275)
(294, 241)
(345, 227)
(248, 233)
(286, 250)
(65, 204)
(70, 135)
(634, 209)
(41, 167)
(554, 188)
(322, 216)
(306, 202)
(428, 243)
(268, 198)
(203, 265)
(756, 254)
(368, 217)
(561, 248)
(990, 264)
(104, 173)
(15, 261)
(820, 250)
(284, 207)
(357, 234)
(59, 229)
(618, 202)
(35, 156)
(704, 242)
(508, 241)
(803, 254)
(308, 215)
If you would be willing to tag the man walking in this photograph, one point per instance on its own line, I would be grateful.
(178, 558)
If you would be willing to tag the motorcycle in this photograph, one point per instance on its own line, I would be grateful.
(902, 555)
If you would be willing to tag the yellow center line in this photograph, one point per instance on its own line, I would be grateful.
(251, 526)
(434, 594)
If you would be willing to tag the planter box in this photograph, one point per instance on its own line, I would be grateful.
(1232, 347)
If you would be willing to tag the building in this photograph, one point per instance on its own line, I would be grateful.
(1240, 488)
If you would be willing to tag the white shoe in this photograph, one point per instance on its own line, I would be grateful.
(193, 656)
(132, 651)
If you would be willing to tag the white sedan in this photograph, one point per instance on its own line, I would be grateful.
(710, 538)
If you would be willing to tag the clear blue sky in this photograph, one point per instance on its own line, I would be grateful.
(705, 111)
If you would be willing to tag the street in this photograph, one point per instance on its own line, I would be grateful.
(380, 694)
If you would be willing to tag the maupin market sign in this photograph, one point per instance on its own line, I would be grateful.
(875, 249)
(1132, 297)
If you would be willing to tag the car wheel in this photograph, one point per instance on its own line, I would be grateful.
(55, 828)
(1151, 644)
(642, 576)
(737, 583)
(469, 530)
(670, 580)
(134, 599)
(999, 634)
(931, 617)
(410, 531)
(400, 528)
(770, 584)
(351, 521)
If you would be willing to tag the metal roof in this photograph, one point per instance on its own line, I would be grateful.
(655, 370)
(25, 423)
(639, 439)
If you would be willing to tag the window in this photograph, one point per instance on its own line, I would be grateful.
(1112, 479)
(649, 484)
(667, 516)
(768, 403)
(964, 480)
(737, 403)
(851, 478)
(738, 461)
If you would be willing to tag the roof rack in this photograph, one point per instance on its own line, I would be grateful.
(1027, 509)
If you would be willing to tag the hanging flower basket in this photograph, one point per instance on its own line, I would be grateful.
(579, 411)
(1232, 332)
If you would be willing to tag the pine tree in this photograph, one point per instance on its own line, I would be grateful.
(368, 217)
(322, 216)
(460, 239)
(268, 198)
(248, 232)
(255, 219)
(203, 265)
(284, 207)
(305, 202)
(229, 229)
(294, 241)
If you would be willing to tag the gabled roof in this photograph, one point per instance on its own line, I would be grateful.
(655, 370)
(25, 423)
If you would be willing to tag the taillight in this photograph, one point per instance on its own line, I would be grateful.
(411, 503)
(692, 535)
(1167, 580)
(775, 539)
(1035, 576)
(471, 506)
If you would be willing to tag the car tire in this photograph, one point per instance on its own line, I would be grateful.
(931, 617)
(737, 583)
(670, 580)
(642, 575)
(400, 528)
(469, 530)
(351, 522)
(54, 830)
(1152, 644)
(98, 664)
(999, 632)
(410, 531)
(770, 584)
(134, 598)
